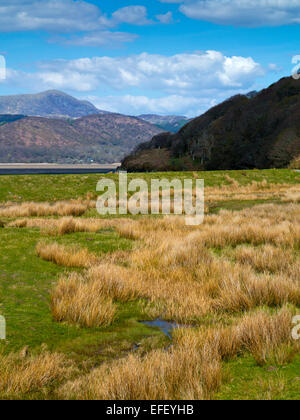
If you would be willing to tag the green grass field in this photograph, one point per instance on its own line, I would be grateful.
(26, 282)
(64, 187)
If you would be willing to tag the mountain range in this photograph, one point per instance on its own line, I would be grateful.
(56, 104)
(101, 138)
(258, 130)
(55, 127)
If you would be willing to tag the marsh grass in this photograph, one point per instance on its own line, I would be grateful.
(63, 226)
(79, 302)
(175, 269)
(21, 374)
(31, 209)
(160, 375)
(266, 258)
(191, 369)
(233, 279)
(65, 256)
(266, 337)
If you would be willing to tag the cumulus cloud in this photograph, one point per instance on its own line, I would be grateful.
(66, 16)
(47, 79)
(165, 18)
(50, 15)
(249, 13)
(181, 73)
(135, 15)
(69, 17)
(167, 105)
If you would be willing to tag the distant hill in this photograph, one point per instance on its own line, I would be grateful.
(52, 103)
(260, 130)
(171, 123)
(103, 138)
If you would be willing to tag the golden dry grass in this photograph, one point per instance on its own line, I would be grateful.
(64, 225)
(178, 260)
(216, 277)
(80, 302)
(233, 191)
(191, 369)
(265, 258)
(263, 190)
(174, 269)
(23, 374)
(65, 256)
(179, 373)
(267, 337)
(31, 209)
(113, 281)
(87, 299)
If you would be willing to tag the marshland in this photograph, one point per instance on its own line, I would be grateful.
(74, 288)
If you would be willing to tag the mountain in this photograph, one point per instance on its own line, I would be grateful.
(255, 131)
(103, 138)
(52, 103)
(171, 123)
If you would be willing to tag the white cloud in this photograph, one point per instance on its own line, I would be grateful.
(135, 15)
(178, 74)
(69, 17)
(73, 16)
(251, 13)
(50, 15)
(47, 79)
(167, 105)
(106, 39)
(274, 68)
(65, 16)
(166, 18)
(2, 68)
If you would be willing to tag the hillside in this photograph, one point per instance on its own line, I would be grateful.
(244, 132)
(52, 103)
(101, 138)
(171, 123)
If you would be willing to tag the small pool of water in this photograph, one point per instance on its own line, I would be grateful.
(165, 326)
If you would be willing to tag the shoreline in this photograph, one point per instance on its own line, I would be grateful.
(55, 169)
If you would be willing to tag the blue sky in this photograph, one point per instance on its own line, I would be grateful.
(154, 56)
